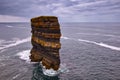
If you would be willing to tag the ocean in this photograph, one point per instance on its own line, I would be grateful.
(90, 51)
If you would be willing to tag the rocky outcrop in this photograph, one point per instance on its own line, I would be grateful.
(46, 41)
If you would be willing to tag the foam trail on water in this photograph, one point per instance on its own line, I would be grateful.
(96, 43)
(14, 77)
(16, 43)
(24, 55)
(9, 26)
(65, 37)
(109, 46)
(101, 44)
(108, 35)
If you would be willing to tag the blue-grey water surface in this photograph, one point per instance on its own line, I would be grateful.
(90, 51)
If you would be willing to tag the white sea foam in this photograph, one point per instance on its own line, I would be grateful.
(101, 44)
(109, 46)
(4, 42)
(99, 34)
(98, 43)
(15, 43)
(50, 72)
(9, 26)
(14, 77)
(65, 37)
(24, 55)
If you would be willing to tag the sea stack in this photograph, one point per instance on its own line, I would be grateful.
(46, 41)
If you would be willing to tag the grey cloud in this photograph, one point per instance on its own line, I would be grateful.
(95, 7)
(61, 8)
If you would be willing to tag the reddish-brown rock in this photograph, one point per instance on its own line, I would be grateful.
(46, 41)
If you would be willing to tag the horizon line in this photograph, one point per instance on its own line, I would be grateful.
(64, 22)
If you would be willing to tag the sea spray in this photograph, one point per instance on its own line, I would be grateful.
(24, 55)
(50, 72)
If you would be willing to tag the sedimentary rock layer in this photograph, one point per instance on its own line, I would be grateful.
(46, 41)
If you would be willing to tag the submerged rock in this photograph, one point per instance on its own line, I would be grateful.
(46, 41)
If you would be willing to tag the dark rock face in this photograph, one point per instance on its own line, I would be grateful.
(46, 41)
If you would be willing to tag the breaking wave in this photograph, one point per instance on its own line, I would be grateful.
(15, 43)
(50, 72)
(24, 55)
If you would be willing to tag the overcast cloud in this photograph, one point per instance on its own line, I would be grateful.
(66, 10)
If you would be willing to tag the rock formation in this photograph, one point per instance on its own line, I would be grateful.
(46, 41)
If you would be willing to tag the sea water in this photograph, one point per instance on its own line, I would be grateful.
(90, 51)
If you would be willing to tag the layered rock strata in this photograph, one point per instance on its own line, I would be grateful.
(46, 41)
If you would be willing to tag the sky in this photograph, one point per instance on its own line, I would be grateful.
(65, 10)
